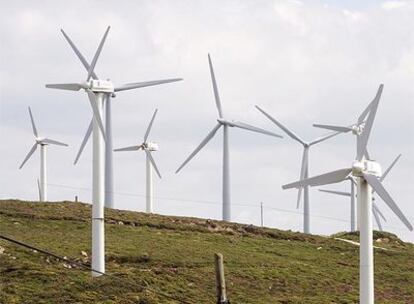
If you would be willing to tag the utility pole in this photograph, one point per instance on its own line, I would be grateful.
(261, 214)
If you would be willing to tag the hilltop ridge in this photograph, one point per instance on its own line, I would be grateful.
(154, 258)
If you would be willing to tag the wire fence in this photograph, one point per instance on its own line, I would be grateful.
(84, 266)
(207, 202)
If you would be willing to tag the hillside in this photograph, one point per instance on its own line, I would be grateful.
(149, 256)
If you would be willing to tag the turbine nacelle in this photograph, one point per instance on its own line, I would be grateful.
(97, 85)
(225, 122)
(359, 168)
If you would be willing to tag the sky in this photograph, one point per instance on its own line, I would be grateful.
(304, 62)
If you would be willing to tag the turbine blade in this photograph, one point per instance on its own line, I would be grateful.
(367, 154)
(80, 56)
(136, 85)
(96, 112)
(352, 179)
(285, 129)
(368, 125)
(32, 150)
(153, 162)
(379, 188)
(84, 141)
(245, 126)
(98, 52)
(150, 126)
(33, 123)
(364, 114)
(378, 210)
(200, 146)
(302, 174)
(336, 192)
(384, 175)
(377, 219)
(39, 191)
(53, 142)
(323, 138)
(333, 128)
(216, 93)
(65, 86)
(131, 148)
(323, 179)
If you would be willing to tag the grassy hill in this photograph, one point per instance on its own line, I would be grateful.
(151, 256)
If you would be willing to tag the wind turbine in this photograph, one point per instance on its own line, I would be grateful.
(109, 200)
(304, 172)
(356, 128)
(99, 93)
(43, 142)
(376, 212)
(367, 172)
(148, 147)
(226, 124)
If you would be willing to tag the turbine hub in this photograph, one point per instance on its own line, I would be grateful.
(357, 130)
(97, 85)
(150, 146)
(366, 166)
(39, 140)
(224, 122)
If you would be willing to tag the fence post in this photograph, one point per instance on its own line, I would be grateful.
(220, 280)
(76, 198)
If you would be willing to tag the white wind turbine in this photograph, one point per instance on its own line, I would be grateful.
(356, 129)
(148, 147)
(43, 142)
(367, 172)
(376, 212)
(99, 93)
(222, 122)
(304, 172)
(109, 188)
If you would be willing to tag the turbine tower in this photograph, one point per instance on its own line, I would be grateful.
(376, 212)
(99, 93)
(304, 172)
(43, 142)
(148, 147)
(226, 124)
(109, 199)
(367, 172)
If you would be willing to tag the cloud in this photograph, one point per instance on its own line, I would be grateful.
(304, 62)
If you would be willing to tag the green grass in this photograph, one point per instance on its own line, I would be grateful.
(149, 254)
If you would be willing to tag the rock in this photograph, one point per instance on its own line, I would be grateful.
(319, 248)
(120, 223)
(67, 265)
(83, 253)
(2, 250)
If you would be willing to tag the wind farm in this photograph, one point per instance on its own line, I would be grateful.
(295, 210)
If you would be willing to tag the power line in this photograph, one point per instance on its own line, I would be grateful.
(296, 212)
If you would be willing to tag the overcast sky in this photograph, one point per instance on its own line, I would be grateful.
(305, 62)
